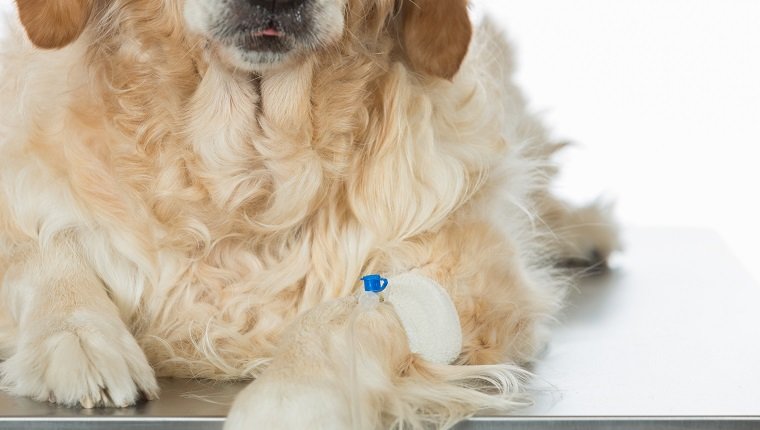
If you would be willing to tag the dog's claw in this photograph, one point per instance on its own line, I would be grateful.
(148, 395)
(105, 396)
(51, 397)
(87, 402)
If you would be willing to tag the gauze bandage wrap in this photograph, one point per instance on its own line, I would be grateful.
(428, 316)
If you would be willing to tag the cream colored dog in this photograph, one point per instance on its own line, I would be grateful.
(193, 188)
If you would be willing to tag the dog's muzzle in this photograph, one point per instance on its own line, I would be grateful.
(260, 34)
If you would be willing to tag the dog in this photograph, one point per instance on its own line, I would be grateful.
(193, 189)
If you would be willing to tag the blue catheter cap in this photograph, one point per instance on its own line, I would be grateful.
(374, 283)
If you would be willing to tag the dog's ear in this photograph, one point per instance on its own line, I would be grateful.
(53, 24)
(436, 35)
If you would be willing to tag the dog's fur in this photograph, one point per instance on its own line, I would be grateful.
(165, 208)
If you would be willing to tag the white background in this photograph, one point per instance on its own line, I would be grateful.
(663, 100)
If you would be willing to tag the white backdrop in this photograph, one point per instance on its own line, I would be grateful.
(663, 99)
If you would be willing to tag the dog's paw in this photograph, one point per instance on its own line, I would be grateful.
(305, 385)
(588, 237)
(86, 359)
(281, 404)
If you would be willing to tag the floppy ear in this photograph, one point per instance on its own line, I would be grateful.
(53, 24)
(436, 35)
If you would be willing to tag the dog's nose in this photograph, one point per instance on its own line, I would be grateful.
(288, 4)
(277, 5)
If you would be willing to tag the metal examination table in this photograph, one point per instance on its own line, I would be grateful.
(668, 339)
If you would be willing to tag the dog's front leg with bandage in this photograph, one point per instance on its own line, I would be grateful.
(404, 355)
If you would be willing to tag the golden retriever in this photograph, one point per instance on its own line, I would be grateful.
(193, 188)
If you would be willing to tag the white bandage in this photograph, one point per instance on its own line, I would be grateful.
(428, 316)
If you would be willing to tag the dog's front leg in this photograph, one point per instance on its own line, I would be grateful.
(344, 365)
(327, 372)
(72, 347)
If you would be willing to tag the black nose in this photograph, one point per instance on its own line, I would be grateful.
(277, 5)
